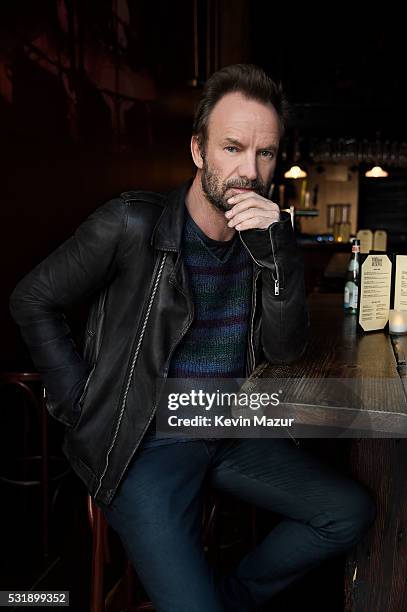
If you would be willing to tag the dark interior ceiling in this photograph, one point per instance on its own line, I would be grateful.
(344, 73)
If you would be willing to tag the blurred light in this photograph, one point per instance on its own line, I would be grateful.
(376, 172)
(295, 172)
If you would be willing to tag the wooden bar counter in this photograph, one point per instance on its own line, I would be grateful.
(376, 570)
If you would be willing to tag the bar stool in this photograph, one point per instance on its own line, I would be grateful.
(101, 555)
(36, 400)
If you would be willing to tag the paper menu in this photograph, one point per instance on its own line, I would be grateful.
(400, 283)
(375, 291)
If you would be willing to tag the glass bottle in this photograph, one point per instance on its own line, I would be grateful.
(350, 297)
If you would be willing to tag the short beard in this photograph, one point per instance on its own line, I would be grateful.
(214, 190)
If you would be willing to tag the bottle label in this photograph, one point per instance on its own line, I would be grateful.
(346, 296)
(353, 296)
(350, 299)
(353, 302)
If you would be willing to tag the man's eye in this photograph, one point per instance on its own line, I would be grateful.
(267, 153)
(231, 149)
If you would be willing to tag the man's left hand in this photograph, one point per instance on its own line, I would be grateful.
(251, 211)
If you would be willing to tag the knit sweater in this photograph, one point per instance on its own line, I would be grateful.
(215, 345)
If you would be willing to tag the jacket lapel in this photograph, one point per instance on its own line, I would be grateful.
(167, 236)
(167, 233)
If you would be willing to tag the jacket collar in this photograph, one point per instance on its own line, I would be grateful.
(167, 233)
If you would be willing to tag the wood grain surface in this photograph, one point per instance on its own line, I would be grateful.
(344, 380)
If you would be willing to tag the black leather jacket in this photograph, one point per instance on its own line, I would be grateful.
(127, 254)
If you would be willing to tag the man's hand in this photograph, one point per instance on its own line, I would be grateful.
(251, 211)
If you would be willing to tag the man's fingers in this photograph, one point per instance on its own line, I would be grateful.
(262, 219)
(243, 216)
(258, 203)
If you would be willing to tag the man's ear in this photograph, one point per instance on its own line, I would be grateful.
(196, 152)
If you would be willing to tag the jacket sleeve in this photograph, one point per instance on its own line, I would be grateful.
(71, 273)
(285, 319)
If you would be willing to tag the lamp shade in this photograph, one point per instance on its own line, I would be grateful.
(295, 172)
(376, 172)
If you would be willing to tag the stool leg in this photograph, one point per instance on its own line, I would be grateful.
(45, 472)
(97, 603)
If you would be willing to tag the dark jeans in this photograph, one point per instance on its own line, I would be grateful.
(158, 508)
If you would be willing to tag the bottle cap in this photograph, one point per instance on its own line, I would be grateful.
(356, 245)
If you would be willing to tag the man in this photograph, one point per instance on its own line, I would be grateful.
(206, 282)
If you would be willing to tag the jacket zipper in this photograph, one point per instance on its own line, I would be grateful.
(251, 345)
(155, 404)
(276, 280)
(82, 397)
(157, 274)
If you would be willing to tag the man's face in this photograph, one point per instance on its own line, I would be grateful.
(241, 148)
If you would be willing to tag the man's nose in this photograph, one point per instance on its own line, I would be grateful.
(248, 167)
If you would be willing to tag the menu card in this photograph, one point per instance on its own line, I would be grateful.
(382, 285)
(374, 292)
(400, 283)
